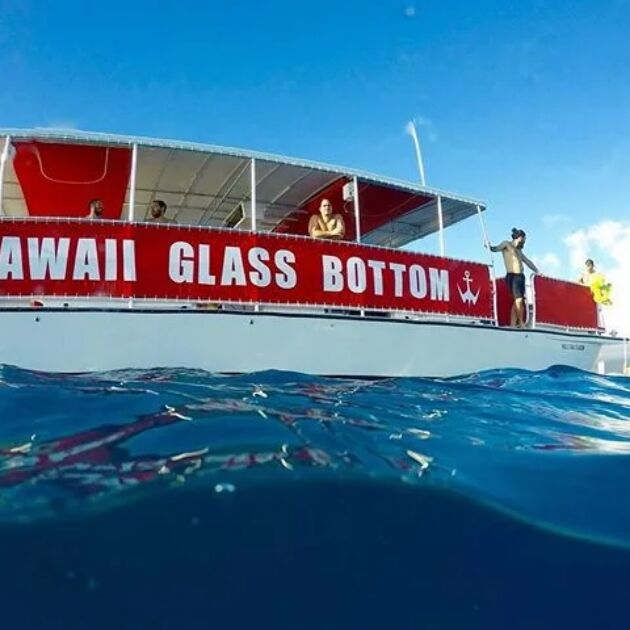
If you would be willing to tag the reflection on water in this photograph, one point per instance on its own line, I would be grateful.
(97, 462)
(500, 437)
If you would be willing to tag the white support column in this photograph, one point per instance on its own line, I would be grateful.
(357, 210)
(253, 194)
(441, 224)
(532, 324)
(3, 160)
(132, 195)
(484, 232)
(357, 218)
(493, 275)
(132, 183)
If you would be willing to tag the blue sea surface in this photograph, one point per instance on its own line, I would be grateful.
(182, 499)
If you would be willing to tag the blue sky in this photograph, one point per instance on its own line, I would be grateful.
(523, 104)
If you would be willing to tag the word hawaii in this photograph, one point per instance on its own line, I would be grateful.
(67, 258)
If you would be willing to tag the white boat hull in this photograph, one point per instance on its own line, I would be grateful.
(83, 340)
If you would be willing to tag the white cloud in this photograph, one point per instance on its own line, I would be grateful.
(410, 11)
(608, 244)
(549, 263)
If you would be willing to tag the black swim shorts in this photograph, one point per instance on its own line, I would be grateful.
(516, 284)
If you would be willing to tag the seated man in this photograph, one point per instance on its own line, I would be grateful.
(158, 212)
(326, 224)
(96, 209)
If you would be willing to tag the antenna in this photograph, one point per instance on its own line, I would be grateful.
(410, 128)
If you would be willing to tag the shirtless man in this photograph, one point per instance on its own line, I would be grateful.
(326, 224)
(514, 258)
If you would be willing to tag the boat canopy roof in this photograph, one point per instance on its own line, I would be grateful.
(55, 172)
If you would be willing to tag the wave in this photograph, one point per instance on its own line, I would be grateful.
(539, 445)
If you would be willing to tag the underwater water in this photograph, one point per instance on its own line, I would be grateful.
(177, 498)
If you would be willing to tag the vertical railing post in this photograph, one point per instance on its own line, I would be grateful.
(132, 183)
(357, 209)
(440, 224)
(493, 274)
(533, 294)
(3, 160)
(132, 194)
(252, 196)
(357, 218)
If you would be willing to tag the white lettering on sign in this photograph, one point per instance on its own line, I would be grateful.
(51, 258)
(286, 278)
(233, 270)
(103, 259)
(402, 280)
(260, 276)
(129, 260)
(111, 259)
(204, 276)
(333, 273)
(48, 257)
(377, 267)
(417, 281)
(439, 284)
(86, 260)
(238, 267)
(399, 272)
(11, 258)
(180, 262)
(357, 277)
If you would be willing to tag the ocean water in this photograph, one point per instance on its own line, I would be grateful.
(181, 499)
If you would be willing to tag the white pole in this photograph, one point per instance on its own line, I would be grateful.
(252, 185)
(132, 183)
(441, 224)
(132, 195)
(486, 242)
(253, 193)
(412, 131)
(533, 296)
(357, 208)
(484, 232)
(3, 160)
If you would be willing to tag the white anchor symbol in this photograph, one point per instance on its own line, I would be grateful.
(468, 297)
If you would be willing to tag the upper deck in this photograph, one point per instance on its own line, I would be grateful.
(56, 173)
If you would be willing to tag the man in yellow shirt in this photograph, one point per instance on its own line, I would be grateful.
(596, 282)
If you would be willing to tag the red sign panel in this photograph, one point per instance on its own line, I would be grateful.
(114, 259)
(564, 303)
(60, 180)
(505, 301)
